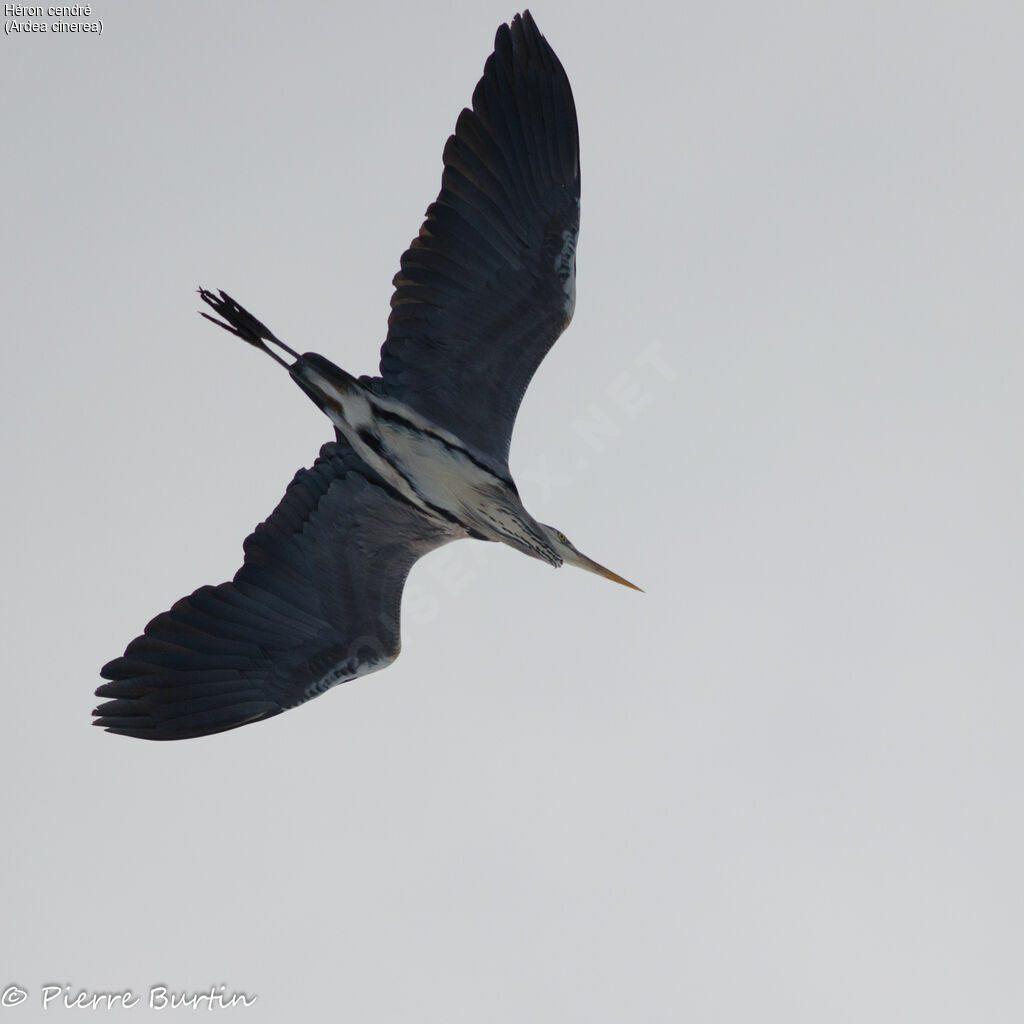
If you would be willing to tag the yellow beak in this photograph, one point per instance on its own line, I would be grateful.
(591, 566)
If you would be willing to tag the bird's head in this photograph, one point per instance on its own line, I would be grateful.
(566, 551)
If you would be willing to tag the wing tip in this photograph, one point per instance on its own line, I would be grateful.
(140, 718)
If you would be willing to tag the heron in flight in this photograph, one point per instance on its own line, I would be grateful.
(420, 457)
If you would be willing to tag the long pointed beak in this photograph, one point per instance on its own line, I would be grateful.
(591, 566)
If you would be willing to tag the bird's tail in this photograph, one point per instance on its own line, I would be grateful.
(325, 383)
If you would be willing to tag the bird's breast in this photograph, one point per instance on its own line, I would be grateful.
(427, 465)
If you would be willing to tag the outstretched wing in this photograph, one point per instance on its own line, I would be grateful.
(317, 602)
(490, 282)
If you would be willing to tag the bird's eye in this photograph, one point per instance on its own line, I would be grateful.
(562, 537)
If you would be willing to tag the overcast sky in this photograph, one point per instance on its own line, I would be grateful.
(785, 784)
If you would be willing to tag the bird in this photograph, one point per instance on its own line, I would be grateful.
(420, 452)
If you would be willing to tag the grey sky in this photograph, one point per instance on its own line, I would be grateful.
(782, 785)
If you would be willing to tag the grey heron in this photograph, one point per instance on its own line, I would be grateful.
(420, 456)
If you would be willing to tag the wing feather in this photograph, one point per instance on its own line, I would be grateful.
(316, 602)
(488, 285)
